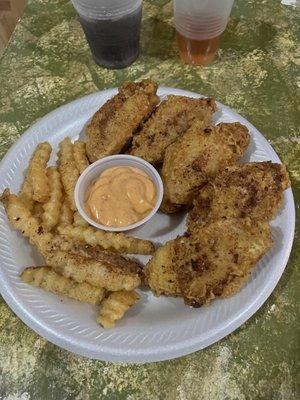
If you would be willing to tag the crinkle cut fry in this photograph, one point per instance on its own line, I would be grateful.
(46, 278)
(68, 169)
(52, 208)
(66, 214)
(108, 240)
(36, 185)
(109, 270)
(114, 307)
(80, 157)
(21, 219)
(78, 220)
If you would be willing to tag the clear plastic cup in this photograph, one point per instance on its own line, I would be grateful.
(112, 29)
(199, 26)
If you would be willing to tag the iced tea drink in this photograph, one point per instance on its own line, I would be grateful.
(199, 27)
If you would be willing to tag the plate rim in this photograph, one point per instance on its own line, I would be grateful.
(186, 346)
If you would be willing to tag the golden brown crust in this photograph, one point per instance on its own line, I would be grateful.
(68, 170)
(112, 241)
(79, 151)
(47, 279)
(114, 307)
(113, 125)
(74, 260)
(212, 261)
(251, 189)
(170, 120)
(160, 274)
(198, 156)
(52, 208)
(104, 271)
(36, 184)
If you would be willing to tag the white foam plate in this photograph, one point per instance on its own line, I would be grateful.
(156, 328)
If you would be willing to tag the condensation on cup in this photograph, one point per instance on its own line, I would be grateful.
(199, 26)
(112, 29)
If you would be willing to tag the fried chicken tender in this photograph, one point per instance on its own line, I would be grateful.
(113, 125)
(197, 157)
(98, 268)
(114, 307)
(171, 119)
(36, 184)
(252, 189)
(108, 240)
(47, 279)
(81, 161)
(52, 208)
(212, 261)
(68, 170)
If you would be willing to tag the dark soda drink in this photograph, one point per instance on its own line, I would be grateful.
(114, 42)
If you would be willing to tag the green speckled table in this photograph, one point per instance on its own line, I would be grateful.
(47, 63)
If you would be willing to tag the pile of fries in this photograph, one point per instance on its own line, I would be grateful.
(80, 262)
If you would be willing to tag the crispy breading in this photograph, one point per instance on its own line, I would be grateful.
(38, 211)
(68, 170)
(171, 119)
(36, 184)
(26, 193)
(66, 214)
(98, 268)
(160, 273)
(52, 208)
(251, 189)
(113, 125)
(79, 150)
(114, 307)
(21, 219)
(47, 279)
(212, 261)
(197, 157)
(108, 270)
(78, 220)
(108, 240)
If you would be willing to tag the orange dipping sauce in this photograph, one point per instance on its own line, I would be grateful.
(121, 196)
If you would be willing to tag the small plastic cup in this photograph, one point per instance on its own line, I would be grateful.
(199, 26)
(89, 175)
(112, 29)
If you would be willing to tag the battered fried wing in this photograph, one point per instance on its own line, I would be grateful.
(170, 120)
(253, 189)
(214, 261)
(115, 122)
(198, 156)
